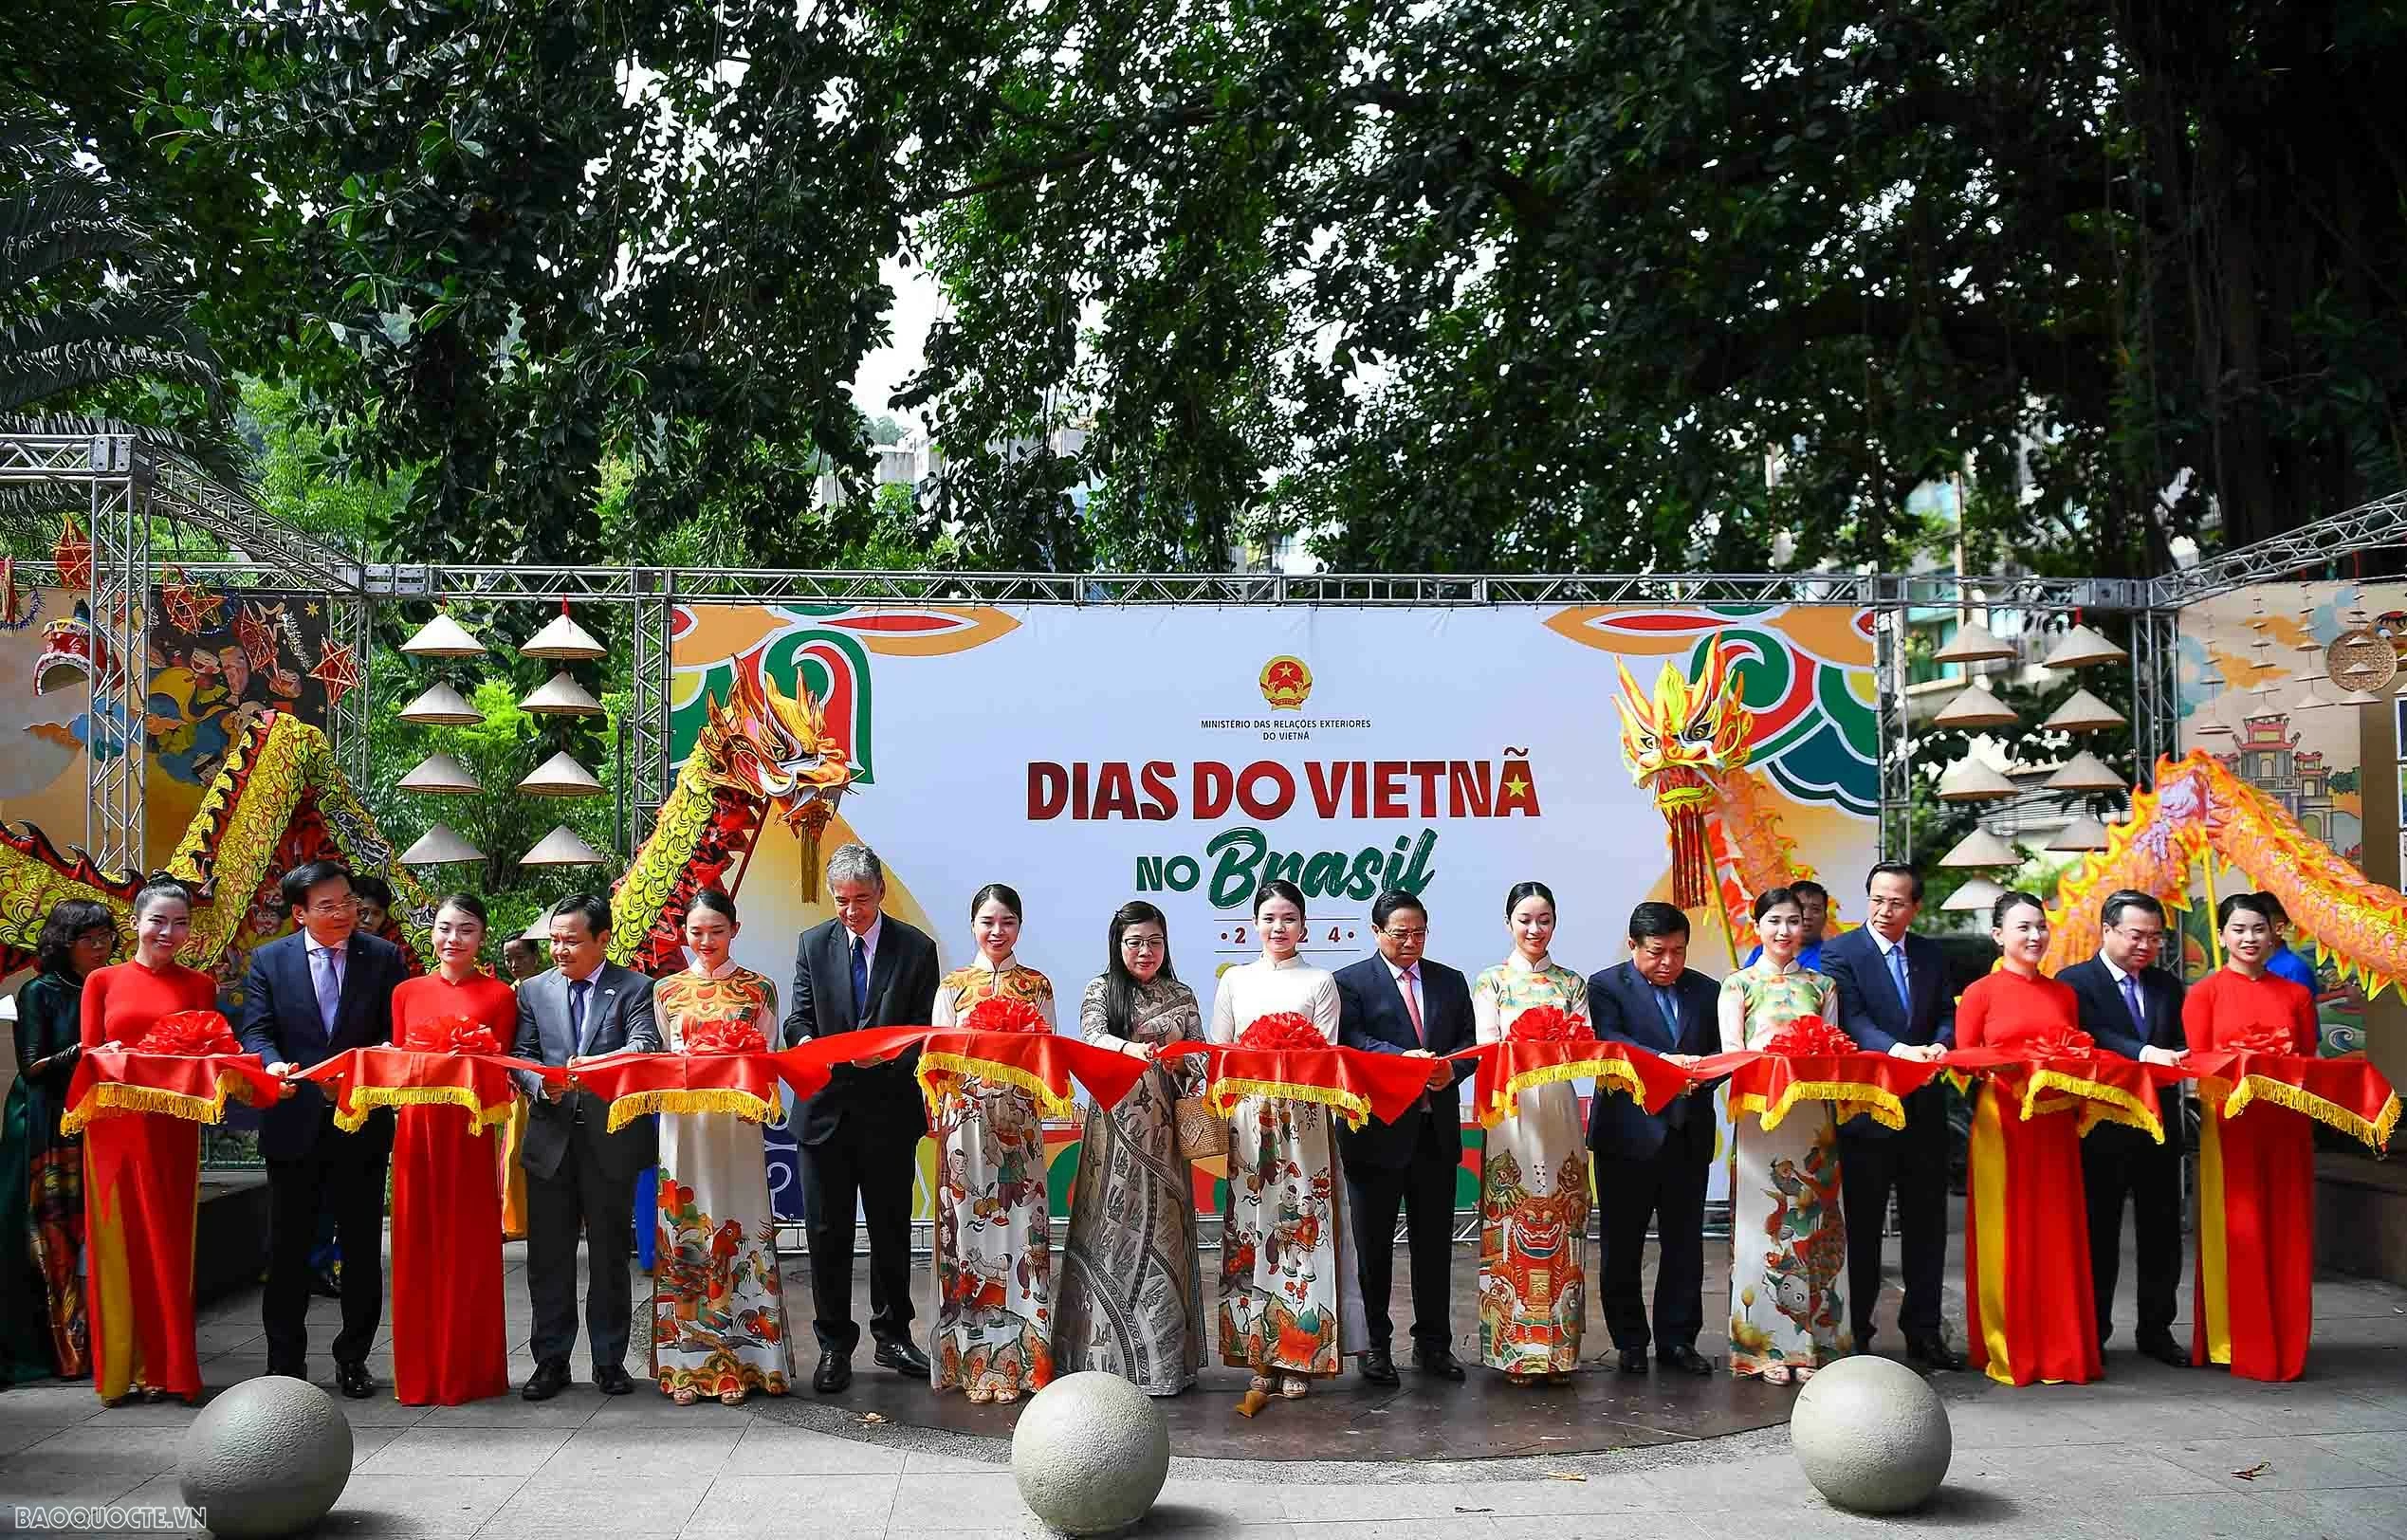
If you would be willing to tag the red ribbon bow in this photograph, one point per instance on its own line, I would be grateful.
(723, 1034)
(189, 1033)
(2263, 1041)
(1809, 1036)
(1000, 1014)
(2065, 1042)
(1282, 1031)
(453, 1034)
(1549, 1024)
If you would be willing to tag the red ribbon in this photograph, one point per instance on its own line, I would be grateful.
(364, 1079)
(189, 1031)
(1504, 1068)
(1384, 1085)
(111, 1082)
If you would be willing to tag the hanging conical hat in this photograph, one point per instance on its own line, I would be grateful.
(2084, 713)
(562, 847)
(2082, 648)
(563, 640)
(1975, 897)
(1972, 779)
(560, 775)
(2083, 834)
(1974, 644)
(441, 705)
(443, 637)
(1981, 849)
(1975, 707)
(2085, 772)
(561, 696)
(439, 775)
(438, 846)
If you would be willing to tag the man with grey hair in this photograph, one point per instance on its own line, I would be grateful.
(859, 1136)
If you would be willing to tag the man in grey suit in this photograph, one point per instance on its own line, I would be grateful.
(579, 1175)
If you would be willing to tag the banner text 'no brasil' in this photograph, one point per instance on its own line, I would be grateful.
(1242, 859)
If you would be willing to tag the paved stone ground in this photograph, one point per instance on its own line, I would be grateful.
(2151, 1453)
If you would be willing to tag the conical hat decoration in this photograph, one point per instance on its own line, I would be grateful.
(562, 847)
(1975, 707)
(2082, 648)
(1981, 849)
(1974, 644)
(440, 706)
(2084, 713)
(439, 846)
(1972, 779)
(563, 640)
(443, 637)
(2085, 772)
(2083, 834)
(561, 696)
(560, 775)
(439, 775)
(1975, 897)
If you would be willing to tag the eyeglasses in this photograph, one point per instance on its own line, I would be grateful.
(335, 905)
(2139, 938)
(1143, 943)
(1393, 934)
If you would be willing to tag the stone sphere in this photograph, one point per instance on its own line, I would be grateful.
(267, 1457)
(1091, 1454)
(1872, 1435)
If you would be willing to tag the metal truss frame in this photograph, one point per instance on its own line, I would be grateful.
(2308, 550)
(2156, 689)
(1894, 738)
(647, 753)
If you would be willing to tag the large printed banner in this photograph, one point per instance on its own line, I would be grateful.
(1088, 755)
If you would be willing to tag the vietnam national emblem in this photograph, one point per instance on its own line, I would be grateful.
(1286, 683)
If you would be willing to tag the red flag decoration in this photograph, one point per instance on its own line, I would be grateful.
(112, 1083)
(363, 1079)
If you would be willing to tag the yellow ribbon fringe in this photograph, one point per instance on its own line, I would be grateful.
(743, 1104)
(366, 1099)
(2098, 1103)
(1616, 1073)
(1225, 1094)
(2375, 1131)
(1848, 1098)
(932, 1065)
(115, 1099)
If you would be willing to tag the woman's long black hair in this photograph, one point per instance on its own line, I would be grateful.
(1119, 985)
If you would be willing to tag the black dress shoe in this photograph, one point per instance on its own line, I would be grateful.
(1379, 1367)
(1437, 1363)
(2166, 1351)
(1633, 1360)
(1688, 1361)
(904, 1359)
(834, 1373)
(550, 1380)
(355, 1380)
(614, 1380)
(1934, 1353)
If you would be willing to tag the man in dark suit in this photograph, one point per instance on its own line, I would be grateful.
(1894, 999)
(580, 1176)
(859, 1136)
(1400, 1002)
(1654, 1165)
(2134, 1008)
(318, 992)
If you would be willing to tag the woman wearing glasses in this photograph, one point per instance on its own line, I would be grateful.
(1131, 1299)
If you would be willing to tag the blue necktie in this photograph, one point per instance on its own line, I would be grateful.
(327, 977)
(860, 980)
(1676, 1115)
(577, 1014)
(1904, 989)
(2131, 1004)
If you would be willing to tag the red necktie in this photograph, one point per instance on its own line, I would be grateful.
(1412, 1007)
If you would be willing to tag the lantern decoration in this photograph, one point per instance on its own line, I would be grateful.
(18, 606)
(440, 706)
(562, 847)
(1975, 897)
(190, 607)
(338, 670)
(1974, 644)
(564, 640)
(2083, 834)
(562, 696)
(439, 775)
(73, 553)
(2084, 713)
(1981, 849)
(1975, 707)
(562, 776)
(2082, 648)
(1972, 779)
(440, 846)
(2085, 772)
(443, 637)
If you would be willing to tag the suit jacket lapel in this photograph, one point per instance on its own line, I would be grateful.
(882, 966)
(1648, 1010)
(596, 1001)
(556, 1008)
(352, 957)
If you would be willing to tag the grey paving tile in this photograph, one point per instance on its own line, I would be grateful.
(595, 1452)
(2276, 1464)
(853, 1505)
(771, 1449)
(1397, 1502)
(649, 1506)
(569, 1409)
(453, 1451)
(2385, 1452)
(2075, 1476)
(2365, 1513)
(403, 1506)
(920, 1462)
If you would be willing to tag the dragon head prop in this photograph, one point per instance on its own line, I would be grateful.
(775, 748)
(1679, 744)
(73, 653)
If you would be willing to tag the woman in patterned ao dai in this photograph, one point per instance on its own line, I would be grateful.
(1131, 1295)
(993, 1267)
(1533, 1187)
(718, 1305)
(1291, 1305)
(1788, 1243)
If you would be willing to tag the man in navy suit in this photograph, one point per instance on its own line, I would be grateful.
(1400, 1002)
(318, 992)
(1894, 999)
(2134, 1008)
(859, 1136)
(1654, 1165)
